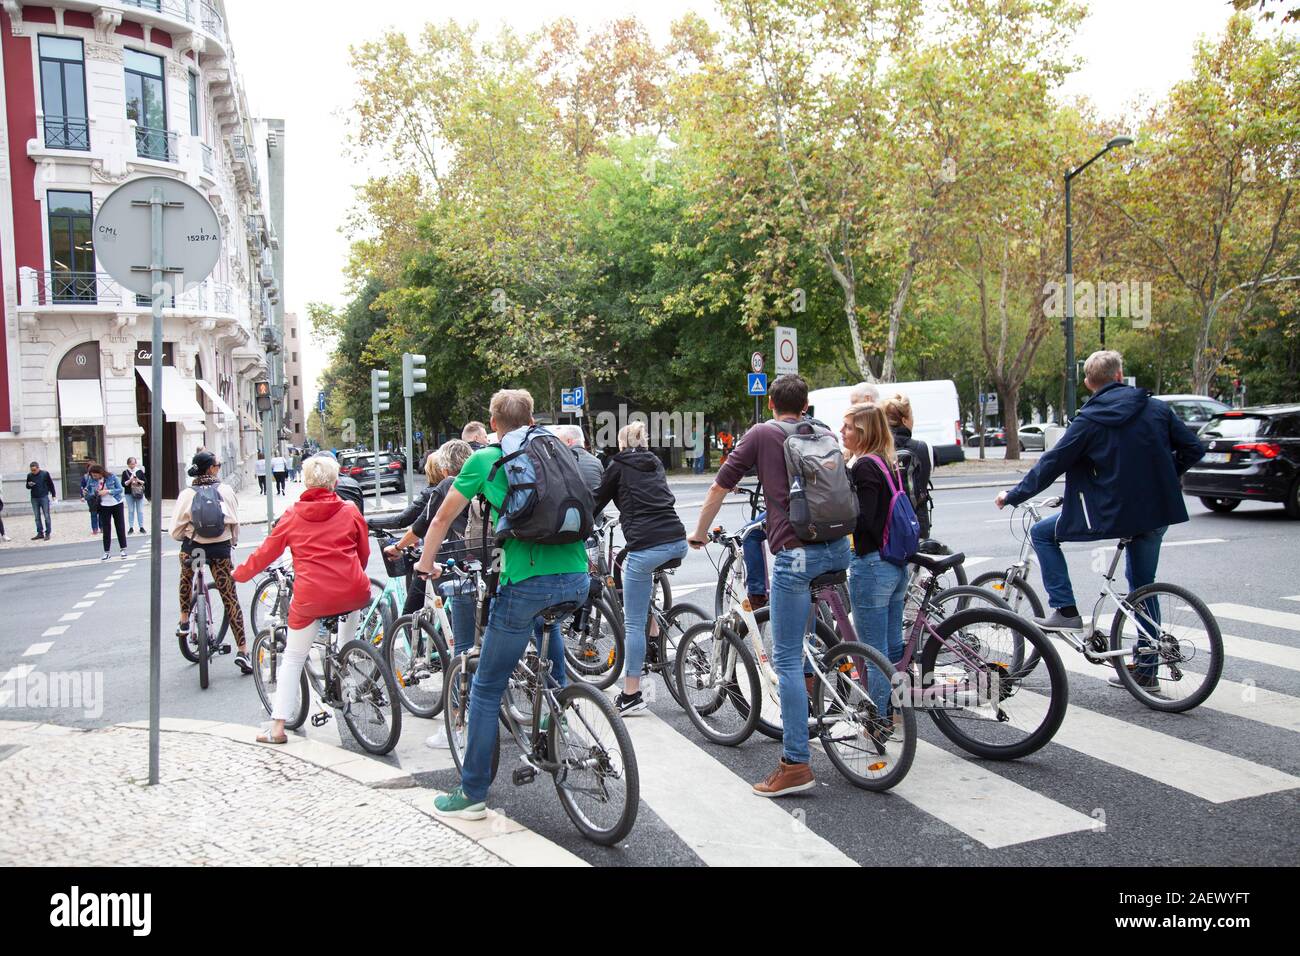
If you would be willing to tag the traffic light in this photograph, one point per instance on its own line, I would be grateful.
(262, 393)
(379, 391)
(413, 374)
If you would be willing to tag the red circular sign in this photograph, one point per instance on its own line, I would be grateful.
(756, 361)
(787, 350)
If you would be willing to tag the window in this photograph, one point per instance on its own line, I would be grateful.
(295, 381)
(72, 250)
(146, 105)
(295, 359)
(63, 93)
(194, 104)
(293, 333)
(295, 405)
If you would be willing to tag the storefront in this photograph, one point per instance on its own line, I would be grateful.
(81, 415)
(179, 406)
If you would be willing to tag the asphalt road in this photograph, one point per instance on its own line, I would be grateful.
(1121, 785)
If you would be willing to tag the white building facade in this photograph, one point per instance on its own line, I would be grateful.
(96, 94)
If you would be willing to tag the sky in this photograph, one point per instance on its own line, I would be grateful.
(293, 57)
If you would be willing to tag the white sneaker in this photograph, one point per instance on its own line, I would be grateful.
(5, 537)
(438, 741)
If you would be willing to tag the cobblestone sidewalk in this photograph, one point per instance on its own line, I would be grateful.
(78, 798)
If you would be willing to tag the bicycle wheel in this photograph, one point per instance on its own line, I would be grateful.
(731, 581)
(189, 646)
(266, 601)
(1021, 599)
(375, 623)
(518, 698)
(455, 712)
(662, 595)
(199, 626)
(873, 751)
(952, 600)
(416, 657)
(823, 637)
(266, 663)
(673, 626)
(597, 780)
(953, 577)
(975, 697)
(369, 697)
(719, 684)
(593, 645)
(1184, 633)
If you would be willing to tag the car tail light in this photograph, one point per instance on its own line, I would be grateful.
(958, 428)
(394, 465)
(1266, 449)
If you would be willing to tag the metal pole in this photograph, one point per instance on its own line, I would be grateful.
(1069, 305)
(267, 428)
(377, 497)
(156, 466)
(410, 452)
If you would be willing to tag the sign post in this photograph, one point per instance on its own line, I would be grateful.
(572, 400)
(757, 386)
(413, 375)
(157, 237)
(787, 351)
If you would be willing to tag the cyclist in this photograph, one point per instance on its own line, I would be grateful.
(635, 481)
(533, 577)
(899, 412)
(330, 548)
(217, 550)
(796, 564)
(1122, 457)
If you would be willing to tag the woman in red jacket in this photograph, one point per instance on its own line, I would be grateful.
(330, 548)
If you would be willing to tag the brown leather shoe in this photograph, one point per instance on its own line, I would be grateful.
(786, 779)
(810, 681)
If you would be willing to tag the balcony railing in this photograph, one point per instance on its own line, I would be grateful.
(98, 288)
(67, 132)
(191, 11)
(159, 144)
(209, 165)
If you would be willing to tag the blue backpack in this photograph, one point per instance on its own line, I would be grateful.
(547, 501)
(902, 534)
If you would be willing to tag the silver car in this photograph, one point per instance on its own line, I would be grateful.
(1032, 438)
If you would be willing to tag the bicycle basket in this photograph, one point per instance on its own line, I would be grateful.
(397, 567)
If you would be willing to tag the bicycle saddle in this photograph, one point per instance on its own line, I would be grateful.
(828, 580)
(937, 565)
(556, 611)
(669, 565)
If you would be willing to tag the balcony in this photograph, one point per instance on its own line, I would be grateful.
(194, 12)
(66, 132)
(59, 289)
(209, 164)
(156, 144)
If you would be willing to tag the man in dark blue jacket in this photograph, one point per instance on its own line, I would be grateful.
(1122, 458)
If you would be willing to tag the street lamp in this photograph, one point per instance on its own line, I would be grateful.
(1070, 373)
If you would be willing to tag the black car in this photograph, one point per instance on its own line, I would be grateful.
(1251, 454)
(361, 469)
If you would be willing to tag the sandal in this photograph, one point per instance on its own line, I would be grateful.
(266, 738)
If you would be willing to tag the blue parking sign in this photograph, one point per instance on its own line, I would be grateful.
(757, 384)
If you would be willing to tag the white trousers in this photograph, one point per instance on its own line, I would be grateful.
(289, 674)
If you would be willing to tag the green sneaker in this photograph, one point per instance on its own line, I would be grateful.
(545, 722)
(456, 804)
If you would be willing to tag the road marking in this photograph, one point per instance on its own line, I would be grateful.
(105, 584)
(81, 605)
(55, 631)
(1261, 652)
(1257, 615)
(1176, 544)
(692, 588)
(28, 568)
(971, 562)
(36, 650)
(1201, 771)
(93, 595)
(983, 805)
(71, 616)
(732, 827)
(1294, 597)
(17, 673)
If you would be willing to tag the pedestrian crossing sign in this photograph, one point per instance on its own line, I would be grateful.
(757, 383)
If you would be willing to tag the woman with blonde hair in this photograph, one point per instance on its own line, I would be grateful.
(636, 483)
(919, 464)
(877, 587)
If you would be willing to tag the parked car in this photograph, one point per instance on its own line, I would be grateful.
(995, 437)
(1251, 454)
(361, 469)
(1194, 410)
(1032, 438)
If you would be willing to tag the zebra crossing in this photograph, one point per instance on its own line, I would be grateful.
(702, 793)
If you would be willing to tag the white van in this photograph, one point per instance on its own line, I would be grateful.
(934, 413)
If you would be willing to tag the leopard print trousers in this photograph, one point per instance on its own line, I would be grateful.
(220, 574)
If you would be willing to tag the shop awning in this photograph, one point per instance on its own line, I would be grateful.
(80, 402)
(217, 400)
(178, 399)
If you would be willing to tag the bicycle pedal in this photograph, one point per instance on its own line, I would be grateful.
(523, 775)
(320, 719)
(225, 648)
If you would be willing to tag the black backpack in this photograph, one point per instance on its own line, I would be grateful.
(206, 514)
(912, 471)
(547, 501)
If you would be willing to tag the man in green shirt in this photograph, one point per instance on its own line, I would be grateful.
(533, 578)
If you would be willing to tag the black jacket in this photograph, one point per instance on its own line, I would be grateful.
(1122, 457)
(40, 484)
(636, 483)
(406, 518)
(139, 472)
(349, 490)
(921, 493)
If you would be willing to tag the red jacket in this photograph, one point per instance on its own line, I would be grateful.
(330, 545)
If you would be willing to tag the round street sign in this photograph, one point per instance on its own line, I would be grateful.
(191, 235)
(756, 361)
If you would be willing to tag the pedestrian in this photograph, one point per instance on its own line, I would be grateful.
(280, 471)
(41, 487)
(647, 510)
(331, 547)
(3, 536)
(206, 522)
(797, 563)
(90, 495)
(1122, 458)
(260, 470)
(136, 483)
(864, 393)
(295, 465)
(110, 496)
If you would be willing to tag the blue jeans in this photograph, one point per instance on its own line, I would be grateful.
(791, 602)
(755, 561)
(134, 511)
(510, 627)
(462, 622)
(638, 585)
(41, 506)
(94, 518)
(1141, 558)
(878, 589)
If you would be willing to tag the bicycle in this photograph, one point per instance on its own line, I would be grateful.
(1156, 630)
(724, 673)
(573, 733)
(352, 679)
(200, 644)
